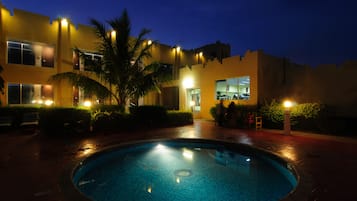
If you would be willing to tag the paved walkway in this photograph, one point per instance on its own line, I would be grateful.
(32, 167)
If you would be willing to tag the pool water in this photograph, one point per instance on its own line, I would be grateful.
(181, 171)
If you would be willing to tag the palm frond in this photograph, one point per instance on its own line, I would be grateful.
(83, 80)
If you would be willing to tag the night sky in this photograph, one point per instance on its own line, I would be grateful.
(304, 31)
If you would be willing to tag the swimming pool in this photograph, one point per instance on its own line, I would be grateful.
(184, 169)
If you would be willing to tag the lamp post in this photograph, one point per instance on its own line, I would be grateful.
(287, 127)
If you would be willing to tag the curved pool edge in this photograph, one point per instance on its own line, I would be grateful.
(299, 192)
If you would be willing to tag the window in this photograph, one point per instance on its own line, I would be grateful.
(29, 54)
(91, 60)
(13, 93)
(194, 99)
(233, 88)
(29, 93)
(14, 53)
(167, 68)
(48, 56)
(75, 60)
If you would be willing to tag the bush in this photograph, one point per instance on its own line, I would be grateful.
(112, 122)
(108, 108)
(16, 114)
(300, 115)
(239, 116)
(179, 118)
(142, 117)
(149, 116)
(62, 121)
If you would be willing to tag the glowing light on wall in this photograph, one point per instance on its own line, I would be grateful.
(48, 102)
(149, 42)
(87, 103)
(64, 22)
(192, 103)
(113, 34)
(187, 82)
(178, 48)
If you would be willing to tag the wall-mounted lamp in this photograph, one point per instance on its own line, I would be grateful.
(113, 34)
(187, 83)
(64, 22)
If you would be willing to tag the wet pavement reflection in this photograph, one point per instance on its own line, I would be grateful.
(34, 165)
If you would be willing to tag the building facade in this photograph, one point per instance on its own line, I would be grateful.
(33, 48)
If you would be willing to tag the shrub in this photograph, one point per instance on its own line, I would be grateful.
(273, 114)
(16, 113)
(112, 122)
(142, 117)
(61, 121)
(149, 116)
(108, 108)
(175, 118)
(239, 118)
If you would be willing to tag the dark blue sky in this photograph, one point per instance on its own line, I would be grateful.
(305, 31)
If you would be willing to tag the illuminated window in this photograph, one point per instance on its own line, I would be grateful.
(29, 93)
(233, 88)
(194, 98)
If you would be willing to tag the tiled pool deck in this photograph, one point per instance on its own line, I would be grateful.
(33, 167)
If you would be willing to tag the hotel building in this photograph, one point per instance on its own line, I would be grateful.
(33, 48)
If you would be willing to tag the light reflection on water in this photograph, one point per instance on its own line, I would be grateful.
(164, 172)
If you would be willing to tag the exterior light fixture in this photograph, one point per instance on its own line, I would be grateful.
(288, 104)
(200, 54)
(178, 48)
(87, 103)
(48, 102)
(113, 34)
(187, 83)
(64, 22)
(287, 127)
(149, 42)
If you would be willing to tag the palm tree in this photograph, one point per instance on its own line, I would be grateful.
(120, 73)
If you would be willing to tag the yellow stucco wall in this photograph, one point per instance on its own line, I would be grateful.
(205, 76)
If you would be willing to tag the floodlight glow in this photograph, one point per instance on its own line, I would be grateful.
(288, 104)
(64, 22)
(113, 34)
(192, 103)
(48, 102)
(149, 42)
(187, 82)
(87, 103)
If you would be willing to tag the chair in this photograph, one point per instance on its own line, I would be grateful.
(258, 123)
